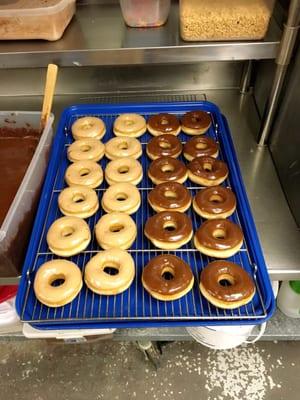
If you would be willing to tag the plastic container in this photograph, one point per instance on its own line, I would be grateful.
(145, 13)
(209, 20)
(17, 224)
(35, 19)
(288, 300)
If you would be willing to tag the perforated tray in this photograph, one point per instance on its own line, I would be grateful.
(135, 307)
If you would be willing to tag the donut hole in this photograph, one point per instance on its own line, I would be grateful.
(219, 234)
(201, 146)
(123, 146)
(121, 197)
(169, 194)
(216, 198)
(116, 228)
(87, 125)
(67, 231)
(123, 169)
(170, 226)
(57, 281)
(129, 122)
(164, 145)
(226, 280)
(84, 172)
(78, 198)
(167, 168)
(167, 274)
(111, 269)
(164, 121)
(207, 167)
(85, 147)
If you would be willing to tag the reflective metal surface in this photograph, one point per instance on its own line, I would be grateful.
(98, 36)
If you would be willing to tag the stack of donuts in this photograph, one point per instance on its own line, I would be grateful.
(175, 168)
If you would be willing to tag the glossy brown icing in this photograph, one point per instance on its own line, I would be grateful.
(196, 120)
(208, 168)
(215, 200)
(164, 146)
(200, 146)
(219, 234)
(241, 284)
(168, 226)
(167, 169)
(153, 275)
(170, 196)
(164, 123)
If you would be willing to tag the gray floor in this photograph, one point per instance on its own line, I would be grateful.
(41, 370)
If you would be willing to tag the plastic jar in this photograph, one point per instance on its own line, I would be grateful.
(145, 13)
(288, 300)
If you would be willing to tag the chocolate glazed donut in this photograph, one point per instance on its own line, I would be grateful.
(226, 285)
(207, 171)
(169, 230)
(170, 196)
(163, 123)
(214, 202)
(195, 122)
(164, 146)
(219, 238)
(167, 277)
(166, 169)
(200, 146)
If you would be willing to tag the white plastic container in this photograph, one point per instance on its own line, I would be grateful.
(288, 300)
(16, 227)
(145, 13)
(209, 20)
(35, 19)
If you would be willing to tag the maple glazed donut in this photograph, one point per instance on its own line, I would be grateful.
(121, 197)
(57, 270)
(167, 277)
(109, 272)
(163, 123)
(126, 170)
(133, 125)
(120, 147)
(169, 230)
(88, 127)
(170, 196)
(86, 149)
(68, 236)
(115, 230)
(219, 238)
(226, 285)
(84, 173)
(78, 201)
(200, 146)
(207, 171)
(195, 122)
(214, 202)
(167, 169)
(164, 146)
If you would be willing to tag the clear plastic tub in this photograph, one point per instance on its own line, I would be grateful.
(16, 226)
(35, 19)
(209, 20)
(145, 13)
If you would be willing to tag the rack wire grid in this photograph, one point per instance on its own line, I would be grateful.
(136, 304)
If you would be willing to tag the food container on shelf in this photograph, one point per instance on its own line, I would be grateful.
(18, 205)
(145, 13)
(209, 20)
(35, 19)
(288, 300)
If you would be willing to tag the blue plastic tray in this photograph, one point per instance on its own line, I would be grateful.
(135, 307)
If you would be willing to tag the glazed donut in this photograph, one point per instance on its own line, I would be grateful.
(167, 277)
(78, 201)
(86, 149)
(88, 127)
(200, 146)
(167, 169)
(125, 170)
(207, 171)
(120, 147)
(219, 238)
(170, 196)
(226, 285)
(68, 236)
(164, 146)
(214, 202)
(121, 197)
(133, 125)
(54, 270)
(115, 230)
(84, 173)
(163, 123)
(109, 272)
(195, 122)
(169, 230)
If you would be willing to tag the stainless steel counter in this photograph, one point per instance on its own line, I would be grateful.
(98, 36)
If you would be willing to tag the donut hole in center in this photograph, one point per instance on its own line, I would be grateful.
(170, 226)
(226, 280)
(164, 145)
(87, 125)
(116, 228)
(169, 194)
(219, 234)
(216, 198)
(78, 198)
(196, 119)
(164, 121)
(111, 269)
(167, 168)
(167, 274)
(207, 167)
(57, 280)
(201, 146)
(123, 146)
(67, 231)
(85, 148)
(84, 172)
(121, 197)
(129, 122)
(123, 169)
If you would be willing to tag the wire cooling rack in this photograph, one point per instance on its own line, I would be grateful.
(135, 307)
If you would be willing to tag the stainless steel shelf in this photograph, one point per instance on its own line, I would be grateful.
(98, 36)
